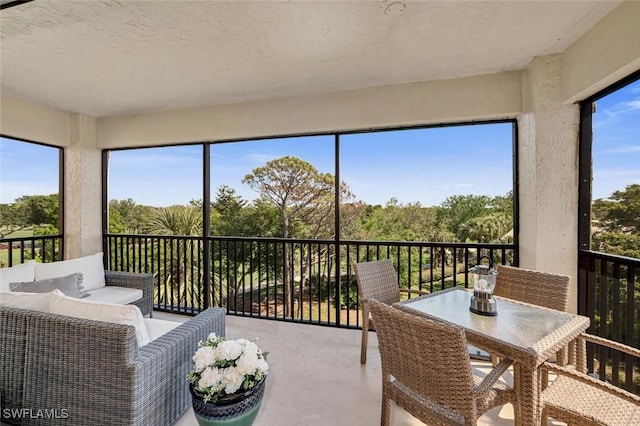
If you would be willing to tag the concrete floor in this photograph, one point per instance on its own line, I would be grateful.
(316, 379)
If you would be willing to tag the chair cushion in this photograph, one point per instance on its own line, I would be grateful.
(17, 273)
(91, 268)
(70, 285)
(157, 327)
(113, 294)
(98, 311)
(33, 301)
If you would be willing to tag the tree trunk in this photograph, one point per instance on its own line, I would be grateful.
(287, 282)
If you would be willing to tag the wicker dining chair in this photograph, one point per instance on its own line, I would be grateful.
(377, 280)
(581, 400)
(426, 370)
(535, 287)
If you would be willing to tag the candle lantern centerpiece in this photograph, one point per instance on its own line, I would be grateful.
(483, 279)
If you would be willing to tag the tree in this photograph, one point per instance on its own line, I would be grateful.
(11, 220)
(30, 211)
(487, 228)
(180, 268)
(125, 216)
(462, 208)
(299, 193)
(176, 220)
(401, 222)
(231, 215)
(478, 217)
(617, 222)
(38, 209)
(294, 186)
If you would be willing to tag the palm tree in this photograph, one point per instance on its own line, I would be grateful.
(180, 271)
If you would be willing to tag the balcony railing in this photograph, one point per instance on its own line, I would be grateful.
(309, 281)
(312, 281)
(609, 294)
(45, 248)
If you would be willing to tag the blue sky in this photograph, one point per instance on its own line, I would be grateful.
(423, 166)
(616, 141)
(426, 165)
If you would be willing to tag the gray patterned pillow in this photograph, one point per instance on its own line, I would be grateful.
(70, 285)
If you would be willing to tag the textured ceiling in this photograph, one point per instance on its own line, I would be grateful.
(120, 57)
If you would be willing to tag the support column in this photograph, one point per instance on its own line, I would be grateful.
(548, 174)
(82, 198)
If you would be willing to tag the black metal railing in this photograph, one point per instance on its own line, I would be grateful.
(44, 248)
(312, 281)
(298, 280)
(609, 294)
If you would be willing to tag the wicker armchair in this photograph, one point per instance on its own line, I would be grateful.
(377, 280)
(579, 399)
(426, 370)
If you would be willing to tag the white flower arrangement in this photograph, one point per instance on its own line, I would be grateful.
(224, 367)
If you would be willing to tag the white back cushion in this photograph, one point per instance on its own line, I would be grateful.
(107, 312)
(33, 301)
(18, 273)
(91, 268)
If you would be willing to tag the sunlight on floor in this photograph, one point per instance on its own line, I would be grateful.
(316, 378)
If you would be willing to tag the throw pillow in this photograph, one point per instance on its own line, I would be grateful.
(33, 301)
(91, 268)
(22, 272)
(70, 285)
(97, 311)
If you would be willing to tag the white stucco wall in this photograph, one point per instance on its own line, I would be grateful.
(548, 178)
(475, 98)
(607, 53)
(23, 120)
(83, 189)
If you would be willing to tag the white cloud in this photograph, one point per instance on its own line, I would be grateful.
(623, 149)
(634, 104)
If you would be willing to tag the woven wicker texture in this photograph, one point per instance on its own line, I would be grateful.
(426, 370)
(526, 333)
(96, 370)
(135, 280)
(535, 287)
(377, 280)
(578, 399)
(228, 409)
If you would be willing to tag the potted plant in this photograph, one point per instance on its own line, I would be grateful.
(227, 381)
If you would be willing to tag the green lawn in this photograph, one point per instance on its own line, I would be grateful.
(4, 252)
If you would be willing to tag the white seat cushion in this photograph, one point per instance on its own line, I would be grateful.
(91, 268)
(97, 311)
(16, 274)
(157, 327)
(112, 294)
(33, 301)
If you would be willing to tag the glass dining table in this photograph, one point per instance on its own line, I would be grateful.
(528, 334)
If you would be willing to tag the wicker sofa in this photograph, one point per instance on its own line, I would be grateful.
(65, 370)
(135, 280)
(97, 283)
